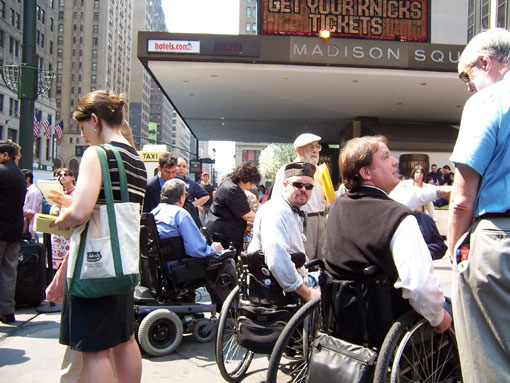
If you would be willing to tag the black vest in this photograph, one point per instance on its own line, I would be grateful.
(360, 226)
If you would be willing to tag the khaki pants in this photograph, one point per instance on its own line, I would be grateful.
(481, 304)
(315, 236)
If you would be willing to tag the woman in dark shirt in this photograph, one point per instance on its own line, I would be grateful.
(96, 326)
(230, 211)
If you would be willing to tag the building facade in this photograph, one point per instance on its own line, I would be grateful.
(247, 17)
(11, 29)
(93, 49)
(484, 14)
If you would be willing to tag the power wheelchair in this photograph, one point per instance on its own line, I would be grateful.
(165, 306)
(253, 316)
(405, 347)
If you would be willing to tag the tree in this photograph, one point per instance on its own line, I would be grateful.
(274, 157)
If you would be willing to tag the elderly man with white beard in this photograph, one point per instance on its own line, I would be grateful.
(307, 149)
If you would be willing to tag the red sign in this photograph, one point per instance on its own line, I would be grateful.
(404, 20)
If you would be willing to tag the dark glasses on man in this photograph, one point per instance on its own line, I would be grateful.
(67, 174)
(299, 185)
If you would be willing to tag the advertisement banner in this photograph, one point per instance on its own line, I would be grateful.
(173, 46)
(402, 20)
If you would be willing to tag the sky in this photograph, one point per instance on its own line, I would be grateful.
(206, 16)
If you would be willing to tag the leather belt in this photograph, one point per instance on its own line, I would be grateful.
(505, 214)
(315, 214)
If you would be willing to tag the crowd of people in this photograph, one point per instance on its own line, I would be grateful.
(378, 220)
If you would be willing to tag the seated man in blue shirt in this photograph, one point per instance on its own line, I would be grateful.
(173, 221)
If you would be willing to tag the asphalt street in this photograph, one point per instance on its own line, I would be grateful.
(30, 352)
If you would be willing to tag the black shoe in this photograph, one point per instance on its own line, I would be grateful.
(7, 318)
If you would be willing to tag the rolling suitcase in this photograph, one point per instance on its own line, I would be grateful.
(31, 274)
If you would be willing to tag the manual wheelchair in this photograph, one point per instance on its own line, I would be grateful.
(165, 306)
(253, 316)
(408, 351)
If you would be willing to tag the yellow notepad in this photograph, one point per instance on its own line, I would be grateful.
(42, 224)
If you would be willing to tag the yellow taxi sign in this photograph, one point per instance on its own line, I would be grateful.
(150, 156)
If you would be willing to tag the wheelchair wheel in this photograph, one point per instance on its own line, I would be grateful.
(291, 353)
(204, 330)
(160, 332)
(232, 359)
(413, 352)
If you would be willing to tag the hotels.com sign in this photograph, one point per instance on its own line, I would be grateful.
(174, 46)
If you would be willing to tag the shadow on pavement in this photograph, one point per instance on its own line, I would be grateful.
(11, 356)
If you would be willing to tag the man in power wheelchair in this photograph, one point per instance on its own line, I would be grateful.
(277, 278)
(176, 260)
(377, 265)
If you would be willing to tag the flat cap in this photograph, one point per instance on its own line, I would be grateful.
(305, 139)
(299, 169)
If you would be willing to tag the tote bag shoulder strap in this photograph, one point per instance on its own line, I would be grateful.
(122, 172)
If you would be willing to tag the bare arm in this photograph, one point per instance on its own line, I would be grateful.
(86, 192)
(249, 217)
(200, 201)
(307, 293)
(462, 202)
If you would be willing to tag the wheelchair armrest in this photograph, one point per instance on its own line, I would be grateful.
(314, 264)
(220, 256)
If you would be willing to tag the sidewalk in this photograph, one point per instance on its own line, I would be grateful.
(30, 352)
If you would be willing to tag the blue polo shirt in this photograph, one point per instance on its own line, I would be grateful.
(484, 145)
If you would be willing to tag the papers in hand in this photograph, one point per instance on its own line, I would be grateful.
(46, 186)
(42, 224)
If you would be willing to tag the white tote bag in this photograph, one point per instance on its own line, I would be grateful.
(104, 252)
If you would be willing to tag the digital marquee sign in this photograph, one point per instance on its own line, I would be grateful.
(400, 20)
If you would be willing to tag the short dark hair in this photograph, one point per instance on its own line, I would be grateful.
(447, 168)
(356, 154)
(172, 190)
(9, 147)
(167, 159)
(245, 172)
(28, 174)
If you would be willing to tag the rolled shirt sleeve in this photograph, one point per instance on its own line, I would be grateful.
(414, 265)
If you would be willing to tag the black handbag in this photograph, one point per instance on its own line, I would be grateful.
(260, 328)
(335, 360)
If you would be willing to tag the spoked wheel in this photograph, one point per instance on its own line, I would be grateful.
(413, 352)
(232, 359)
(160, 332)
(291, 353)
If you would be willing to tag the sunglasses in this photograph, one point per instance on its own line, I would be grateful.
(67, 174)
(464, 76)
(299, 185)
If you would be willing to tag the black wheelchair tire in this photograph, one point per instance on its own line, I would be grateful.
(160, 332)
(400, 360)
(203, 330)
(299, 364)
(226, 335)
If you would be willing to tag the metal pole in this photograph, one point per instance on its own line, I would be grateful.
(27, 87)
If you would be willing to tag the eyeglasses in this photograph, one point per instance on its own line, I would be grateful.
(464, 77)
(299, 185)
(64, 174)
(316, 146)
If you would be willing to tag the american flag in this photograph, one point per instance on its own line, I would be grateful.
(59, 130)
(37, 124)
(47, 127)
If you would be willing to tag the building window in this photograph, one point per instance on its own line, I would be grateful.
(94, 66)
(93, 78)
(2, 9)
(58, 102)
(60, 40)
(61, 3)
(51, 24)
(59, 77)
(94, 41)
(18, 22)
(58, 90)
(59, 65)
(485, 14)
(96, 3)
(95, 28)
(60, 52)
(13, 107)
(61, 15)
(248, 12)
(96, 16)
(502, 13)
(251, 155)
(1, 105)
(51, 47)
(254, 27)
(248, 27)
(94, 54)
(12, 134)
(2, 38)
